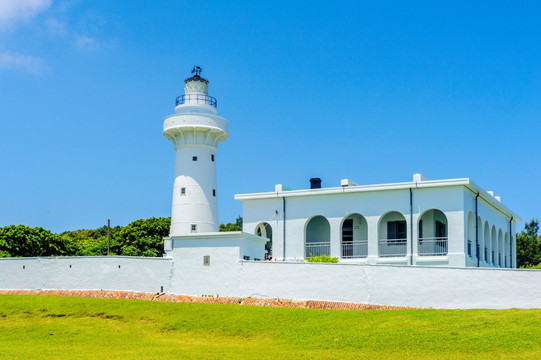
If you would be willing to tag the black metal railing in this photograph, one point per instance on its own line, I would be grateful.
(196, 99)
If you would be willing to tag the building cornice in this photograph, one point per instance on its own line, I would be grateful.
(466, 182)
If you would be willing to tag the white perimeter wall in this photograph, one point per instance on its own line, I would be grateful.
(426, 286)
(86, 273)
(417, 286)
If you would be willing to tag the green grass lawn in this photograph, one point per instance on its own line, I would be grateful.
(50, 327)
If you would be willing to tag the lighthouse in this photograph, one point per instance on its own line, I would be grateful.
(195, 130)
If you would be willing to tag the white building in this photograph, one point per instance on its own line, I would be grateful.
(421, 222)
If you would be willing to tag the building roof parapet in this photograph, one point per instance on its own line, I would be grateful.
(468, 183)
(219, 236)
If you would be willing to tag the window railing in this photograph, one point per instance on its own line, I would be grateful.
(469, 248)
(317, 249)
(196, 99)
(392, 247)
(355, 249)
(433, 246)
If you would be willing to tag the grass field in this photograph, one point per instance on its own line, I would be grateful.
(50, 327)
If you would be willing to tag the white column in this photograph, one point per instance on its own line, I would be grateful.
(372, 222)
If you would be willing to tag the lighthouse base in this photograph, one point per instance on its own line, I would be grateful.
(213, 256)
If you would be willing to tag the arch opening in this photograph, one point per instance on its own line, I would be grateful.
(471, 236)
(393, 238)
(265, 230)
(486, 234)
(317, 237)
(501, 249)
(507, 256)
(494, 249)
(433, 240)
(481, 242)
(354, 237)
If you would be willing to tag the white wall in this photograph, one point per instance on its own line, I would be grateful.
(417, 286)
(269, 211)
(86, 273)
(191, 276)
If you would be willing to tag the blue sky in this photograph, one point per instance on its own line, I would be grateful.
(373, 92)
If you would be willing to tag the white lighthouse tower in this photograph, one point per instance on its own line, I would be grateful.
(195, 131)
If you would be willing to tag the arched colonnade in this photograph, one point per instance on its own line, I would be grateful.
(494, 246)
(392, 234)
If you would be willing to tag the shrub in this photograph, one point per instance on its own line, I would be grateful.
(322, 259)
(533, 267)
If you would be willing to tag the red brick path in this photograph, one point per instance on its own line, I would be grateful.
(111, 294)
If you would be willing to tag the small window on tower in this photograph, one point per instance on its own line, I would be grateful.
(194, 158)
(182, 191)
(213, 192)
(211, 157)
(194, 227)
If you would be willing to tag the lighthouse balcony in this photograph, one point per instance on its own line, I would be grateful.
(196, 99)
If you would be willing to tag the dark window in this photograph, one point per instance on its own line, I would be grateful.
(194, 227)
(396, 230)
(206, 260)
(183, 191)
(212, 157)
(194, 158)
(347, 231)
(421, 228)
(213, 192)
(347, 238)
(440, 229)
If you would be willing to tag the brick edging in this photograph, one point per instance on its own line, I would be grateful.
(132, 295)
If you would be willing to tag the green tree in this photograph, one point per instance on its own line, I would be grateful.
(529, 245)
(237, 226)
(91, 242)
(143, 237)
(3, 247)
(24, 241)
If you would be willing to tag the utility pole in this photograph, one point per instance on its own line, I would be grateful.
(108, 231)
